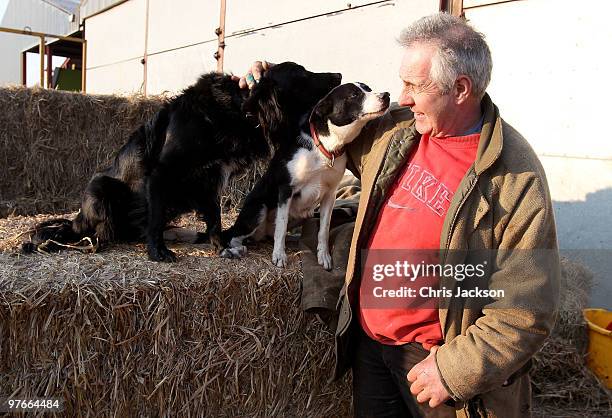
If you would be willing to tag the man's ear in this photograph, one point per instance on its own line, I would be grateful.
(463, 89)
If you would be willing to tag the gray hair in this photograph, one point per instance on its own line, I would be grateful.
(460, 49)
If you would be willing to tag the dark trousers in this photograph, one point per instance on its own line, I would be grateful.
(380, 386)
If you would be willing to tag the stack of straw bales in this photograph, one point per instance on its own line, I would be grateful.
(117, 335)
(114, 334)
(52, 142)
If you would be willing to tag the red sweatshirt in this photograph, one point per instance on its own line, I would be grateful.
(411, 219)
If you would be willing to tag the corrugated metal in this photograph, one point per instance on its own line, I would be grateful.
(35, 15)
(91, 7)
(38, 16)
(69, 6)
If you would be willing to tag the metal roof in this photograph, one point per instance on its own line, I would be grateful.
(41, 16)
(67, 6)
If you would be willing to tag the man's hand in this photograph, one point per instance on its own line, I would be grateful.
(426, 382)
(253, 75)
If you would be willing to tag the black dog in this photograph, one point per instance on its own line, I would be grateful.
(305, 173)
(181, 160)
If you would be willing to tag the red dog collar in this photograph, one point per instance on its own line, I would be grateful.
(331, 156)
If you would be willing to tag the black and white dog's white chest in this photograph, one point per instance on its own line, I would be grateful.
(311, 176)
(300, 180)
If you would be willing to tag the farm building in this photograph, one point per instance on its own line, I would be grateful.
(547, 71)
(114, 334)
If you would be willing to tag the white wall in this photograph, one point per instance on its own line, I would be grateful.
(270, 29)
(360, 42)
(115, 46)
(551, 82)
(174, 62)
(176, 24)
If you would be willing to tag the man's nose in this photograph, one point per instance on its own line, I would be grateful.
(405, 99)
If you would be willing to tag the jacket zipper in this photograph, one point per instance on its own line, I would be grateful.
(358, 245)
(452, 224)
(447, 244)
(380, 168)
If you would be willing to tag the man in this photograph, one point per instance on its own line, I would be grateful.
(444, 171)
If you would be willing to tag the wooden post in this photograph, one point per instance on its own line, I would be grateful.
(41, 52)
(84, 68)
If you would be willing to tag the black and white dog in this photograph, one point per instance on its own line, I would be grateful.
(181, 160)
(305, 173)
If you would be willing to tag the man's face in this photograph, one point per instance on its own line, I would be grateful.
(435, 113)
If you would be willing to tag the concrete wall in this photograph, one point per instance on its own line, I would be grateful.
(181, 43)
(173, 69)
(115, 46)
(321, 34)
(359, 42)
(550, 81)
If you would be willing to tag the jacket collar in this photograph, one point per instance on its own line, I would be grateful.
(491, 138)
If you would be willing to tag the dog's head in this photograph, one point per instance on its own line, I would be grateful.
(346, 109)
(286, 92)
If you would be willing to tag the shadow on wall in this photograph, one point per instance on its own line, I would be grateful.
(584, 230)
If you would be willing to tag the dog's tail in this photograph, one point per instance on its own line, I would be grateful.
(54, 235)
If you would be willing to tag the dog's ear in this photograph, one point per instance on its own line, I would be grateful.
(264, 103)
(323, 108)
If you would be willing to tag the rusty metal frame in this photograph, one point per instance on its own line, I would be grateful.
(145, 56)
(42, 50)
(220, 32)
(454, 7)
(491, 3)
(24, 68)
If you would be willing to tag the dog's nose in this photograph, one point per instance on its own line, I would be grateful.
(386, 98)
(337, 77)
(333, 79)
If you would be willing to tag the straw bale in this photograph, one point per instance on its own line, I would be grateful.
(116, 334)
(52, 142)
(562, 384)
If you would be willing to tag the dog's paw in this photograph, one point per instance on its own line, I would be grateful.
(161, 254)
(279, 258)
(324, 259)
(28, 247)
(234, 252)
